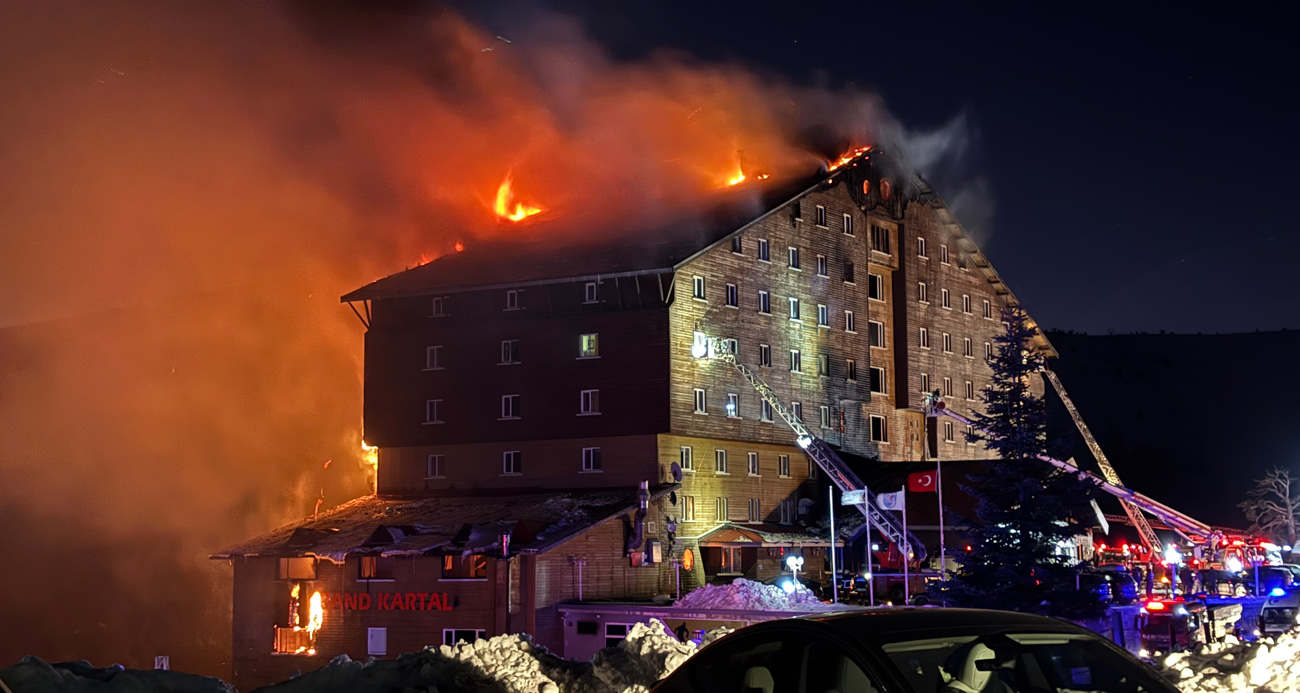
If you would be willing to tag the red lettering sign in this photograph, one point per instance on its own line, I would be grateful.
(387, 601)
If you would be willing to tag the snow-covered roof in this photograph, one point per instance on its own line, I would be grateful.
(377, 525)
(763, 535)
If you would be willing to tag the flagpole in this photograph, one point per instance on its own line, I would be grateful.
(835, 573)
(943, 550)
(871, 574)
(907, 553)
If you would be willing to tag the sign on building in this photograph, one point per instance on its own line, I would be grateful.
(857, 497)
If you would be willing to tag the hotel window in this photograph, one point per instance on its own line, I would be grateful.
(879, 429)
(925, 383)
(701, 404)
(849, 276)
(764, 302)
(588, 402)
(755, 510)
(720, 509)
(512, 462)
(510, 406)
(947, 432)
(433, 467)
(825, 416)
(876, 333)
(965, 303)
(439, 307)
(752, 459)
(821, 215)
(920, 247)
(922, 292)
(733, 405)
(967, 349)
(880, 239)
(763, 250)
(377, 642)
(796, 408)
(688, 509)
(589, 293)
(988, 351)
(875, 287)
(796, 361)
(988, 310)
(688, 458)
(849, 324)
(947, 343)
(848, 224)
(433, 358)
(512, 300)
(970, 436)
(589, 346)
(793, 253)
(697, 287)
(451, 636)
(591, 459)
(303, 568)
(945, 300)
(850, 370)
(731, 346)
(733, 296)
(720, 461)
(509, 351)
(878, 383)
(736, 245)
(431, 413)
(947, 387)
(925, 338)
(764, 355)
(970, 390)
(823, 365)
(471, 567)
(794, 308)
(823, 267)
(765, 411)
(823, 316)
(943, 254)
(783, 465)
(376, 568)
(786, 515)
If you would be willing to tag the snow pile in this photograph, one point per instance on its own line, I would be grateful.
(506, 664)
(750, 595)
(34, 675)
(1233, 667)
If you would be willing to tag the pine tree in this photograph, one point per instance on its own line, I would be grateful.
(1025, 506)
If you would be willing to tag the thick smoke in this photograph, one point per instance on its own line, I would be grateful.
(189, 187)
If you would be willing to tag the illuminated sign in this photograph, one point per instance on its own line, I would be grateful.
(387, 601)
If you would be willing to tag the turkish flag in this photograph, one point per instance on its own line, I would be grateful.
(921, 482)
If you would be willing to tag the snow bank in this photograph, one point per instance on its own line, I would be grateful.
(1268, 666)
(506, 664)
(747, 594)
(33, 675)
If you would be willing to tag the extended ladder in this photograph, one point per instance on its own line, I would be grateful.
(821, 453)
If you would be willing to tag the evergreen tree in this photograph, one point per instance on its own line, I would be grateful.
(1025, 506)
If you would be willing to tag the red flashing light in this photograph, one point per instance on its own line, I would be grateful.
(1103, 547)
(1124, 547)
(1154, 606)
(1238, 542)
(968, 547)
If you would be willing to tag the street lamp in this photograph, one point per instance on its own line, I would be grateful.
(794, 563)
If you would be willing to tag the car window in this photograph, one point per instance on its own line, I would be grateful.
(755, 664)
(829, 669)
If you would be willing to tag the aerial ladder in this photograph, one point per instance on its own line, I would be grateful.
(1190, 528)
(839, 473)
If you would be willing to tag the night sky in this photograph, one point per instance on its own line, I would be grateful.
(1141, 157)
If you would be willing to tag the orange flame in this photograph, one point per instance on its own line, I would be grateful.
(737, 179)
(459, 246)
(847, 157)
(370, 457)
(506, 196)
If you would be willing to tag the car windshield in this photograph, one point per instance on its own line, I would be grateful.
(1014, 662)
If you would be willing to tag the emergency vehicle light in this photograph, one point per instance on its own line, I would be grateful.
(1155, 606)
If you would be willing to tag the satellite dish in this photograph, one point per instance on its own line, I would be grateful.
(677, 472)
(672, 497)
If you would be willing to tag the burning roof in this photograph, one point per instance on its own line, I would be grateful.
(445, 525)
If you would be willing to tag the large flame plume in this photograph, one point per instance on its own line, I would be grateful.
(507, 207)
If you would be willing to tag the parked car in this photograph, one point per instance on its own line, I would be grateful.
(910, 650)
(1113, 586)
(1223, 583)
(1280, 614)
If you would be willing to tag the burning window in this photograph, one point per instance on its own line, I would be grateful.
(880, 239)
(763, 254)
(878, 383)
(296, 631)
(850, 370)
(879, 429)
(303, 568)
(512, 463)
(589, 402)
(701, 401)
(850, 325)
(848, 224)
(589, 346)
(720, 461)
(764, 302)
(697, 287)
(376, 568)
(821, 216)
(590, 294)
(591, 459)
(783, 465)
(510, 406)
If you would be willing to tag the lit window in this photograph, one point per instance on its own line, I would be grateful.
(848, 224)
(589, 346)
(591, 459)
(875, 287)
(823, 316)
(821, 215)
(796, 361)
(509, 351)
(947, 343)
(876, 333)
(433, 467)
(433, 358)
(849, 324)
(850, 370)
(794, 257)
(589, 402)
(589, 293)
(783, 465)
(376, 568)
(763, 250)
(701, 404)
(509, 406)
(920, 247)
(764, 302)
(925, 338)
(688, 458)
(794, 308)
(823, 365)
(733, 405)
(824, 413)
(431, 413)
(512, 462)
(720, 461)
(512, 299)
(878, 383)
(764, 355)
(733, 296)
(439, 307)
(922, 292)
(879, 429)
(471, 567)
(697, 287)
(752, 459)
(945, 301)
(822, 266)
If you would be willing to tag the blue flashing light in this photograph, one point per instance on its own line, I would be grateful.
(1277, 592)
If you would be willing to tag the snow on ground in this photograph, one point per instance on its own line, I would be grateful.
(747, 594)
(1268, 666)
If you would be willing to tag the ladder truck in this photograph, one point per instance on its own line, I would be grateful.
(1190, 528)
(839, 473)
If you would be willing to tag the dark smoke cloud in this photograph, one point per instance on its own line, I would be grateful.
(188, 188)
